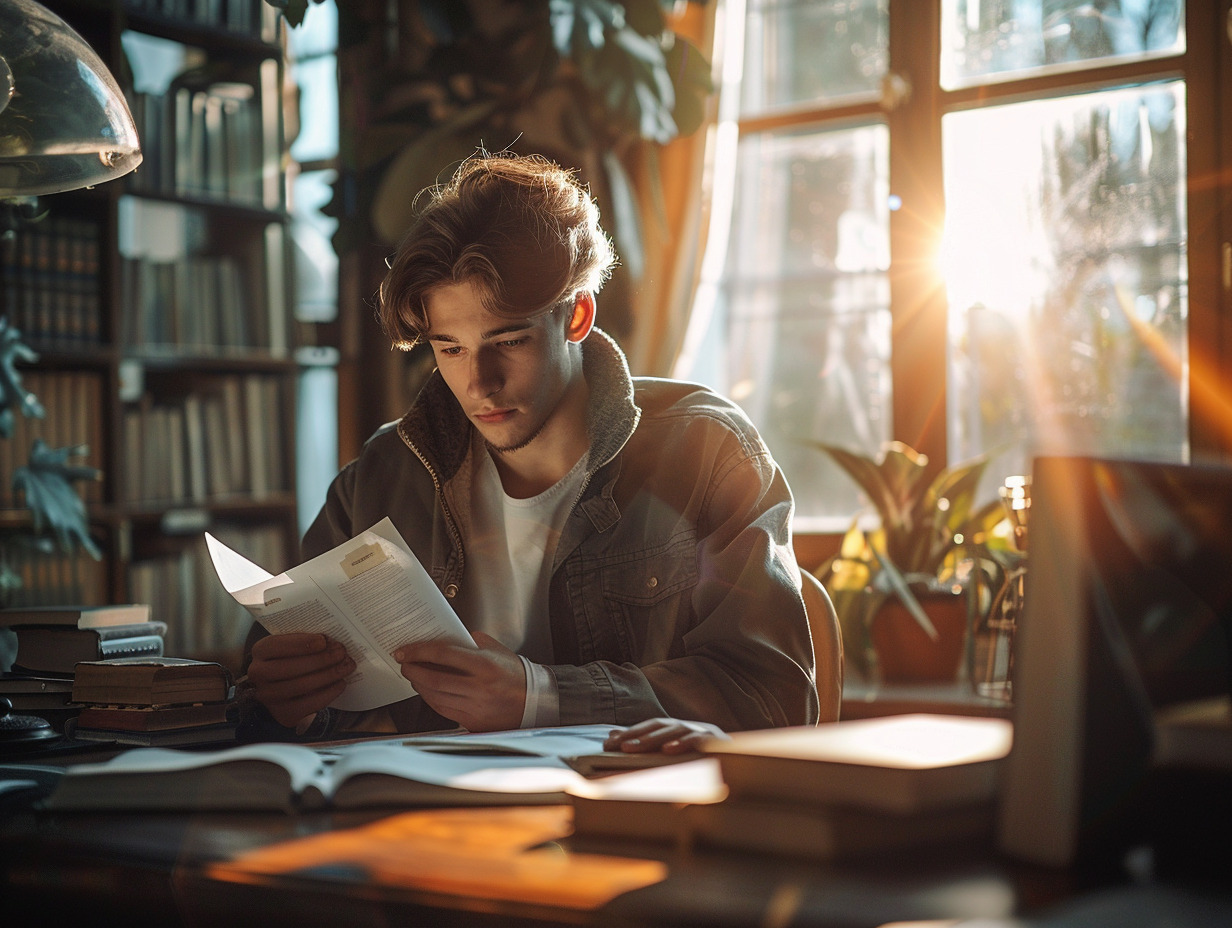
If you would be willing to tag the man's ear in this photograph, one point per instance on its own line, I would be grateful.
(583, 318)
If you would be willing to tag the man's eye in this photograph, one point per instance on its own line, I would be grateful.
(513, 342)
(450, 351)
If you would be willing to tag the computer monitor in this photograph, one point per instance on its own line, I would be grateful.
(1128, 608)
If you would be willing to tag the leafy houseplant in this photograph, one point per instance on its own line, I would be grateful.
(931, 537)
(597, 85)
(57, 513)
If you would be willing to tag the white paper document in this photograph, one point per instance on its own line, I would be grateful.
(371, 594)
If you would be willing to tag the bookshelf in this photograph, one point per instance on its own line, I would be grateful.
(159, 306)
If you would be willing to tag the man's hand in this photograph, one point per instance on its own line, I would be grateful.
(481, 689)
(296, 675)
(671, 736)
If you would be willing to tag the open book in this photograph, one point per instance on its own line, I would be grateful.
(369, 593)
(579, 746)
(295, 777)
(524, 767)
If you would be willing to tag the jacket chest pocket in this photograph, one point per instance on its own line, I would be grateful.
(638, 605)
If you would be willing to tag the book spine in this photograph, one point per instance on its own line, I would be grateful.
(139, 646)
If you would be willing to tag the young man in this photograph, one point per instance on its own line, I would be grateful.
(619, 547)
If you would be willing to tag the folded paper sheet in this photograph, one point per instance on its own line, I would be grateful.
(371, 594)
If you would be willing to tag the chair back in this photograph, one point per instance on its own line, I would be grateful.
(827, 646)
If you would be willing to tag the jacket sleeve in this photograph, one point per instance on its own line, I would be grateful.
(746, 660)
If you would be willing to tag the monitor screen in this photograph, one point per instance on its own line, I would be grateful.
(1128, 609)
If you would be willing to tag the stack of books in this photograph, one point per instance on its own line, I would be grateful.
(51, 640)
(836, 791)
(153, 701)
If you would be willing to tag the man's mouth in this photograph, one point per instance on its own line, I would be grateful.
(494, 417)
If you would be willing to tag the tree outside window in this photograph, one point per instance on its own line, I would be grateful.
(969, 226)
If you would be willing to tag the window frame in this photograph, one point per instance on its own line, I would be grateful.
(918, 305)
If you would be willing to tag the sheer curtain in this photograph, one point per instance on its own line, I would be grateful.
(675, 227)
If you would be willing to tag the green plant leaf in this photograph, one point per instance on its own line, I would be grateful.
(898, 583)
(646, 16)
(580, 26)
(871, 476)
(902, 468)
(690, 75)
(54, 505)
(14, 398)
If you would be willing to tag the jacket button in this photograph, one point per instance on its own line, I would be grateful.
(652, 582)
(451, 591)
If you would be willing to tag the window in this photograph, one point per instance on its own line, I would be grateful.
(312, 56)
(969, 225)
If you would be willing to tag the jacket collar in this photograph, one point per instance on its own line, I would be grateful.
(437, 430)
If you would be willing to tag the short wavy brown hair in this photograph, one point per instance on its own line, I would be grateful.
(521, 227)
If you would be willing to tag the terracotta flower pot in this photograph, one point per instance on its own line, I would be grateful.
(905, 653)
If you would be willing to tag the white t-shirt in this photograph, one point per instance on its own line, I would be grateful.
(511, 547)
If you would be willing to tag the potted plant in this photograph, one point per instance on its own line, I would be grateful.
(45, 483)
(921, 577)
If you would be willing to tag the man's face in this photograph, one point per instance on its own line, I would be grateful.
(509, 375)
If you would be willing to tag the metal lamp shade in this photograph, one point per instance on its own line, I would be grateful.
(64, 123)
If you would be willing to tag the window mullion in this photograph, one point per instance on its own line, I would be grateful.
(1209, 94)
(918, 305)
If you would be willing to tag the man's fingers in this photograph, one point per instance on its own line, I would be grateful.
(288, 712)
(429, 680)
(266, 669)
(671, 736)
(296, 644)
(277, 690)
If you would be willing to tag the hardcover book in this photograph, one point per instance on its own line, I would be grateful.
(651, 805)
(826, 833)
(150, 681)
(904, 763)
(76, 616)
(161, 718)
(190, 735)
(58, 649)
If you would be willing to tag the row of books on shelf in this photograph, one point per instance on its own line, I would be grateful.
(216, 142)
(54, 577)
(197, 305)
(255, 18)
(51, 281)
(206, 445)
(202, 617)
(72, 406)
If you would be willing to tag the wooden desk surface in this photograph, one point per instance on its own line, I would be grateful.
(505, 866)
(491, 866)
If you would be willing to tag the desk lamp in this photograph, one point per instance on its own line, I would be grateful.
(63, 120)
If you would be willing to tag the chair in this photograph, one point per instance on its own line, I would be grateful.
(827, 646)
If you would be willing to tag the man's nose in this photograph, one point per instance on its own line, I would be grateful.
(485, 375)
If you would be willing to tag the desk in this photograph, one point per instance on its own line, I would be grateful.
(505, 866)
(502, 867)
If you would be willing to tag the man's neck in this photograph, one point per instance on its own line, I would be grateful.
(546, 460)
